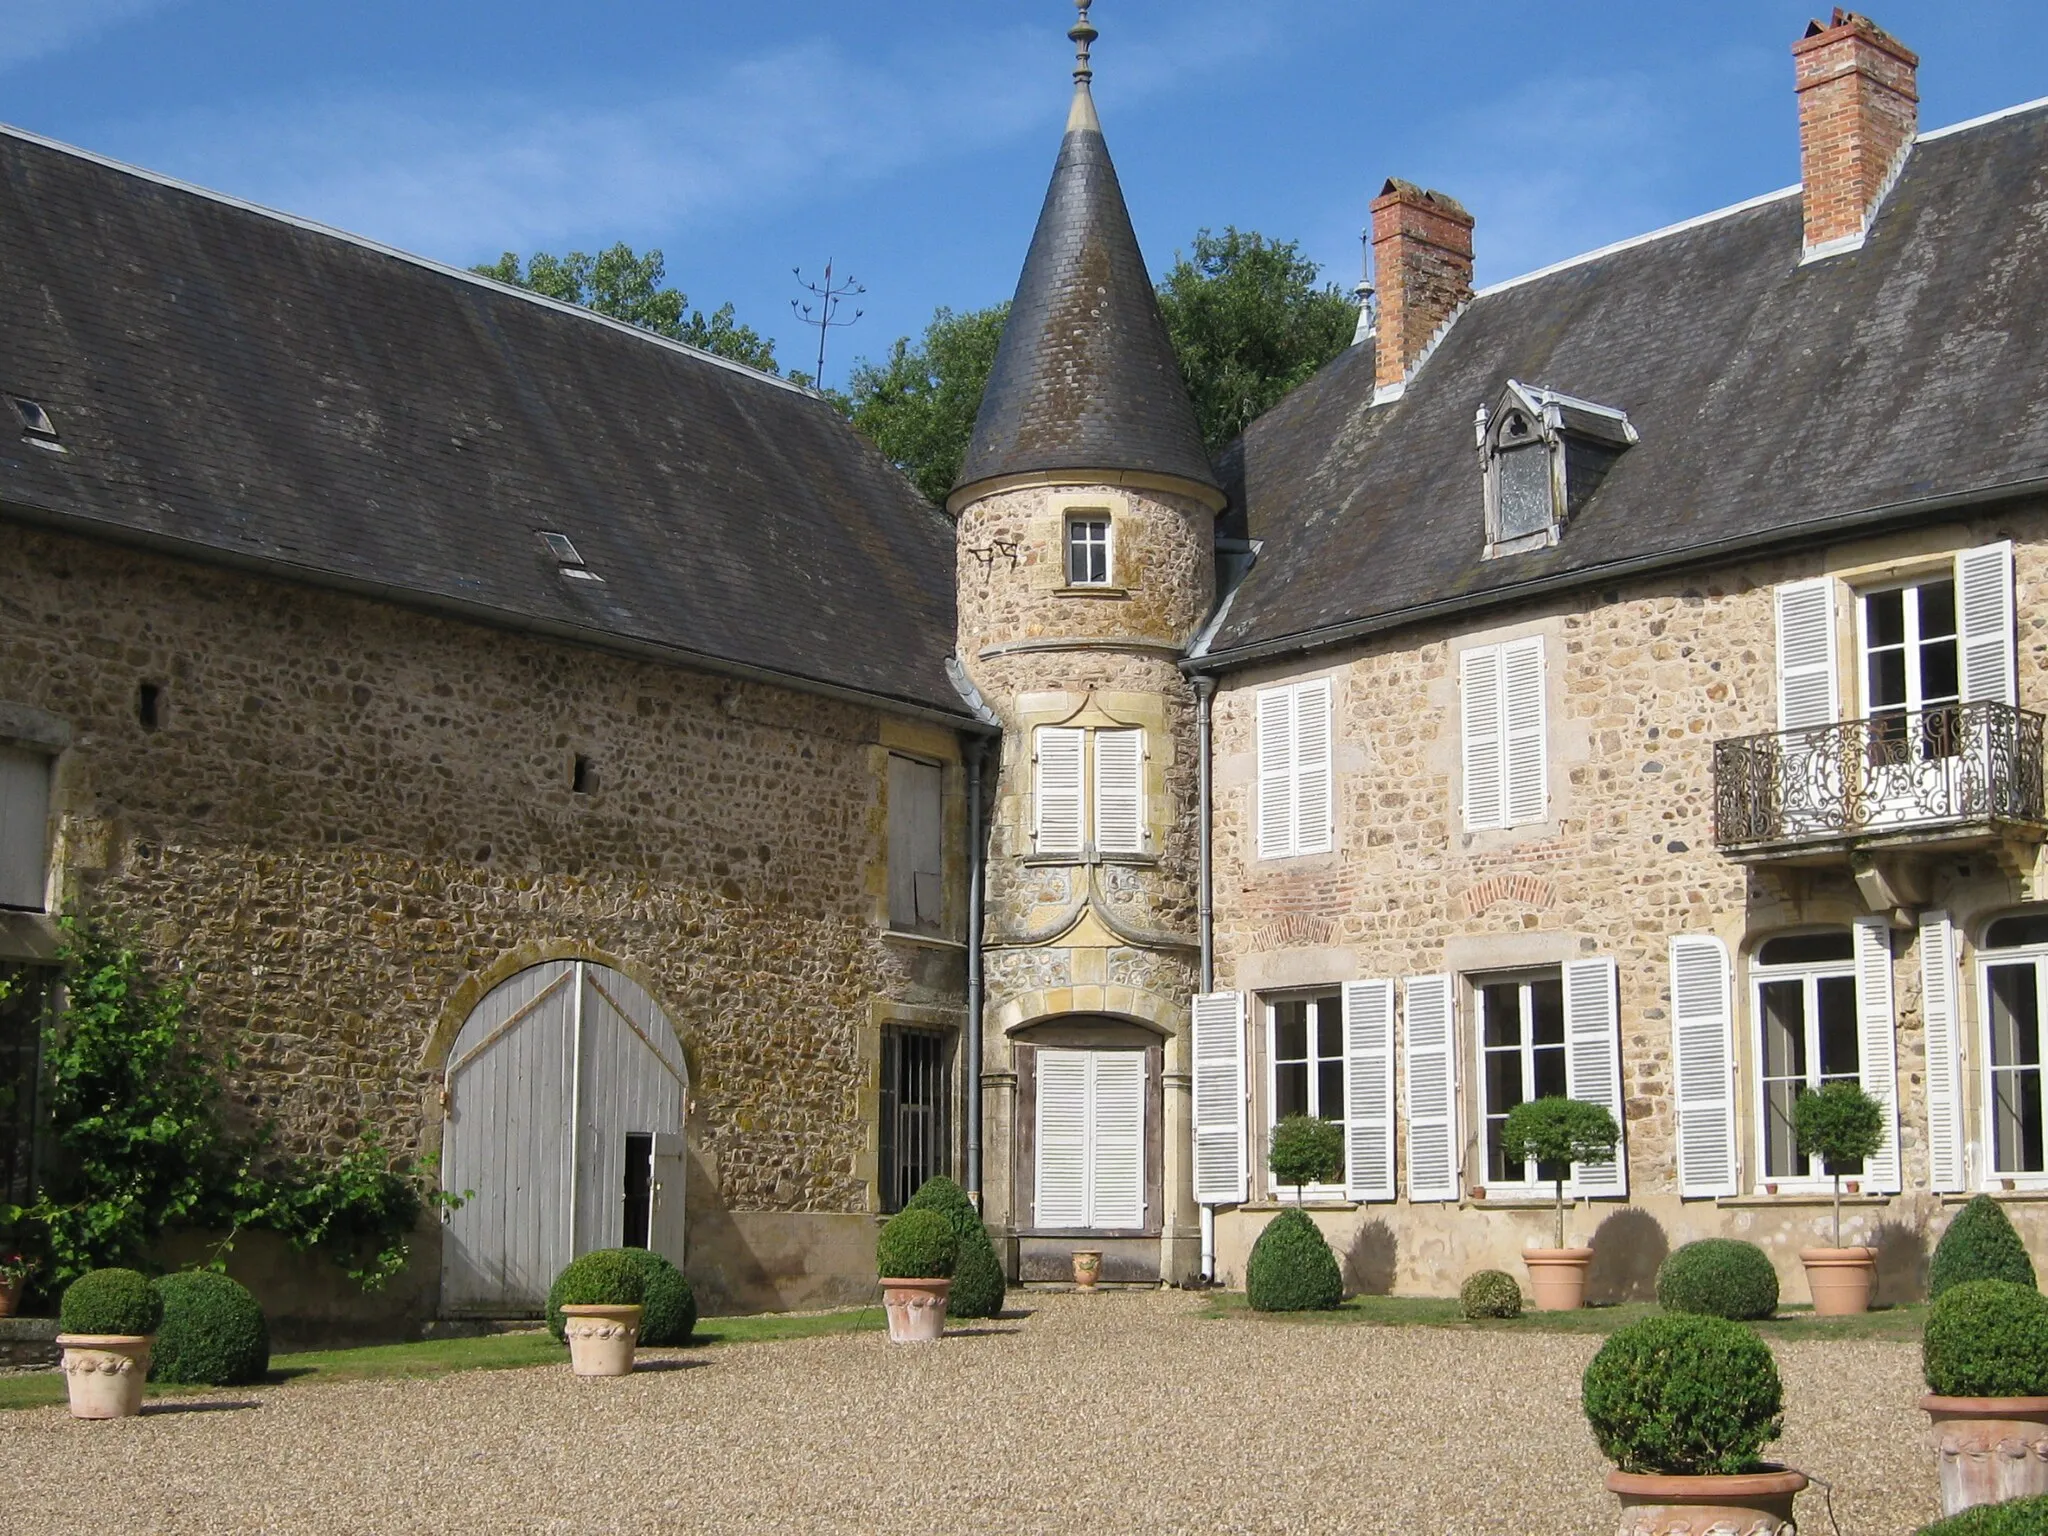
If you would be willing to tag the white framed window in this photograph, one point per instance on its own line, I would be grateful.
(1296, 785)
(1505, 734)
(1306, 1070)
(24, 827)
(2013, 995)
(1911, 670)
(1521, 1057)
(1090, 1156)
(1808, 1034)
(1088, 549)
(1089, 791)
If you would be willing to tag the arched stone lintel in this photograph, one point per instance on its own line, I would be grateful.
(1164, 1016)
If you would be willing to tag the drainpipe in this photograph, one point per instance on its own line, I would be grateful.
(1205, 690)
(975, 752)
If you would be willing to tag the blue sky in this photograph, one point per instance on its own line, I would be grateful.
(911, 142)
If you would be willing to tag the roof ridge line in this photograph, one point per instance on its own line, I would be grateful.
(1979, 122)
(364, 242)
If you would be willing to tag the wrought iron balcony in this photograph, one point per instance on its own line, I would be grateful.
(1954, 771)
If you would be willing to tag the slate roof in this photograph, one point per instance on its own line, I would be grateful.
(237, 384)
(1085, 376)
(1769, 395)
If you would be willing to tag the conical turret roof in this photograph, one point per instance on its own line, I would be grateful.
(1085, 377)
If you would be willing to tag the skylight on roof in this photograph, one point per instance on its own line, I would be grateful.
(36, 425)
(567, 559)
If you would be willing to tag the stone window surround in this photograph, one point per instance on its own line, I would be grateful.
(1111, 506)
(884, 1012)
(1106, 710)
(25, 934)
(1974, 1037)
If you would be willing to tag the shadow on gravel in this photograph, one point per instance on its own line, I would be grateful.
(1014, 1314)
(641, 1367)
(286, 1373)
(153, 1409)
(979, 1333)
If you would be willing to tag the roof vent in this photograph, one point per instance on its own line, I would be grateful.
(36, 425)
(567, 559)
(1543, 454)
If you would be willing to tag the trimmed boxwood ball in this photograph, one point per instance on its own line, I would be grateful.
(110, 1301)
(2015, 1517)
(1979, 1244)
(669, 1310)
(213, 1334)
(1292, 1269)
(978, 1283)
(1719, 1277)
(916, 1245)
(1987, 1338)
(604, 1277)
(1683, 1396)
(1491, 1293)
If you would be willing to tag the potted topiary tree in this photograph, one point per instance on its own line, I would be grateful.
(1306, 1150)
(1979, 1244)
(1556, 1132)
(1985, 1353)
(978, 1284)
(213, 1333)
(1842, 1125)
(600, 1297)
(108, 1320)
(1719, 1277)
(1682, 1405)
(916, 1252)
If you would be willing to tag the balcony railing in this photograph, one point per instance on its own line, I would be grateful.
(1966, 765)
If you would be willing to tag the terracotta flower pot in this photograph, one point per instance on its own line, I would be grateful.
(1841, 1279)
(601, 1339)
(104, 1372)
(1990, 1449)
(1750, 1503)
(1557, 1277)
(10, 1296)
(916, 1308)
(1087, 1267)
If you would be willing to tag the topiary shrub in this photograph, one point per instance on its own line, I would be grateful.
(110, 1301)
(1840, 1124)
(1305, 1149)
(1987, 1338)
(604, 1277)
(978, 1284)
(668, 1314)
(213, 1334)
(1556, 1132)
(1490, 1293)
(1683, 1396)
(1979, 1244)
(1292, 1269)
(2015, 1517)
(916, 1245)
(1719, 1277)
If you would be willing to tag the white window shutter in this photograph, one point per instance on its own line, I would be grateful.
(1592, 1063)
(1806, 655)
(1879, 1045)
(1116, 1143)
(1119, 791)
(1061, 815)
(1703, 1064)
(1218, 1056)
(1313, 782)
(1061, 1198)
(1984, 607)
(24, 827)
(1276, 773)
(1429, 1037)
(1944, 1053)
(1480, 704)
(1369, 1089)
(1526, 770)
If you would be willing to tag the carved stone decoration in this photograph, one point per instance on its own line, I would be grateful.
(1752, 1504)
(1989, 1449)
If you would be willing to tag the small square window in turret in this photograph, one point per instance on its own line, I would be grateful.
(1088, 550)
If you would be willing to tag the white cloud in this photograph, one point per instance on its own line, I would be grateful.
(34, 29)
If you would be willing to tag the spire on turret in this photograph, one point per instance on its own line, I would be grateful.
(1085, 379)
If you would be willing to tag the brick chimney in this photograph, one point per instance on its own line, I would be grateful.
(1858, 112)
(1422, 266)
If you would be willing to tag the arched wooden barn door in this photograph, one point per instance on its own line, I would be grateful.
(565, 1091)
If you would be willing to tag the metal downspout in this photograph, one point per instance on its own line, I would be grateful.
(976, 750)
(1205, 691)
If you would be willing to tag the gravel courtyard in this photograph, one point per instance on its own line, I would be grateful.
(1114, 1412)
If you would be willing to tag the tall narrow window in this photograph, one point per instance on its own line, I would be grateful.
(1911, 674)
(1305, 1042)
(916, 845)
(915, 1143)
(1090, 791)
(1522, 1051)
(1296, 784)
(1090, 1169)
(22, 990)
(2015, 973)
(24, 827)
(1505, 737)
(1809, 1034)
(1088, 563)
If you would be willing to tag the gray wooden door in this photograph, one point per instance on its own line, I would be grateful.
(550, 1074)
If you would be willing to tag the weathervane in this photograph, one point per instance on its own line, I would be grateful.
(830, 296)
(1083, 33)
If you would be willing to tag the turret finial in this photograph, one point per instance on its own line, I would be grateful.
(1083, 33)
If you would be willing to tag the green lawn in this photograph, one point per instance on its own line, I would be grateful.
(1899, 1323)
(493, 1352)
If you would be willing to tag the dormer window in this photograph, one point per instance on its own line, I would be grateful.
(1543, 454)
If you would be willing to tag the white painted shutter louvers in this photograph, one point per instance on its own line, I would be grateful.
(1062, 1161)
(1060, 818)
(1312, 768)
(1524, 770)
(1217, 1051)
(1984, 610)
(1431, 1082)
(1276, 772)
(24, 827)
(1944, 1056)
(1592, 1064)
(1369, 1089)
(1480, 699)
(1806, 655)
(1703, 1065)
(1119, 791)
(1879, 1047)
(1116, 1142)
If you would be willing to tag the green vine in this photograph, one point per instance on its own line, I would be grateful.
(131, 1107)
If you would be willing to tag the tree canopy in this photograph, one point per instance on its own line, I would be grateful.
(918, 404)
(627, 285)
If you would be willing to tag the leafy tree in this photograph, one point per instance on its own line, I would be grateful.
(1556, 1132)
(1306, 1150)
(918, 404)
(1840, 1124)
(1249, 324)
(626, 285)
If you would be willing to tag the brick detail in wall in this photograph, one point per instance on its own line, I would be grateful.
(1422, 267)
(1858, 113)
(1531, 891)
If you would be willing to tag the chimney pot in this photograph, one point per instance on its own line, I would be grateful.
(1422, 269)
(1858, 114)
